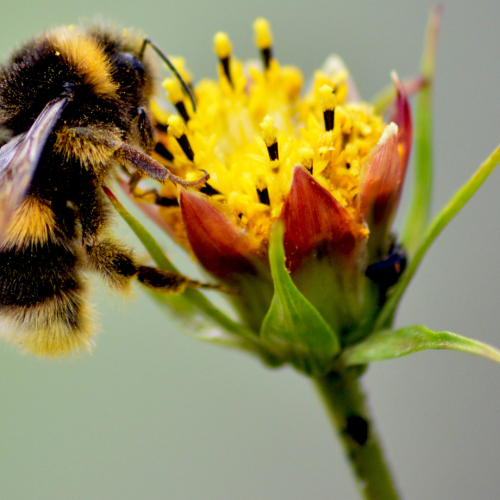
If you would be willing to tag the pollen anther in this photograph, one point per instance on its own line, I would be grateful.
(328, 103)
(176, 98)
(306, 158)
(223, 47)
(270, 135)
(264, 40)
(174, 92)
(177, 129)
(161, 149)
(264, 196)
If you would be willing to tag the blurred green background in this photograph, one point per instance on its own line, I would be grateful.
(153, 414)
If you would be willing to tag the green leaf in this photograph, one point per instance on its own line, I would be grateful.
(191, 307)
(293, 326)
(420, 205)
(442, 219)
(390, 344)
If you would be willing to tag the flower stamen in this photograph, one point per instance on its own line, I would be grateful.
(264, 40)
(306, 156)
(270, 136)
(328, 103)
(161, 150)
(176, 98)
(223, 48)
(264, 196)
(209, 190)
(178, 130)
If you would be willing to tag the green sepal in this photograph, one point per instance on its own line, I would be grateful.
(390, 344)
(293, 327)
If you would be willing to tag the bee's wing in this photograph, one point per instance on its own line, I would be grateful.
(19, 159)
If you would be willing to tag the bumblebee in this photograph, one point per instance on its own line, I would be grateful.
(73, 107)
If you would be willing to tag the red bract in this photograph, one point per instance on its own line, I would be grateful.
(402, 118)
(383, 173)
(380, 184)
(217, 243)
(315, 222)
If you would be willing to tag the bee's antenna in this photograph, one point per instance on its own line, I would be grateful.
(167, 61)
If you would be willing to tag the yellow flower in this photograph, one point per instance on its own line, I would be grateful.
(318, 159)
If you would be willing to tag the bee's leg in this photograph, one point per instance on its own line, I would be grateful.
(136, 160)
(116, 264)
(167, 281)
(143, 129)
(151, 196)
(134, 180)
(112, 261)
(91, 206)
(99, 146)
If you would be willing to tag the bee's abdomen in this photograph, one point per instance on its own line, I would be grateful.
(42, 300)
(33, 275)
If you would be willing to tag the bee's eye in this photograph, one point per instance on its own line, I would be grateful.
(124, 62)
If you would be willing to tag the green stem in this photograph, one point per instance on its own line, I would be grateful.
(346, 405)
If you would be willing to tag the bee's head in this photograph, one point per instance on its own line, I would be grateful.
(107, 79)
(130, 70)
(130, 75)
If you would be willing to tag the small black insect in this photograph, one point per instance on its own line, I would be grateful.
(386, 272)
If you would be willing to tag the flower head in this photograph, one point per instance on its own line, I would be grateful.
(315, 159)
(293, 215)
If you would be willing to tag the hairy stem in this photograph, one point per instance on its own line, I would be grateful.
(346, 405)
